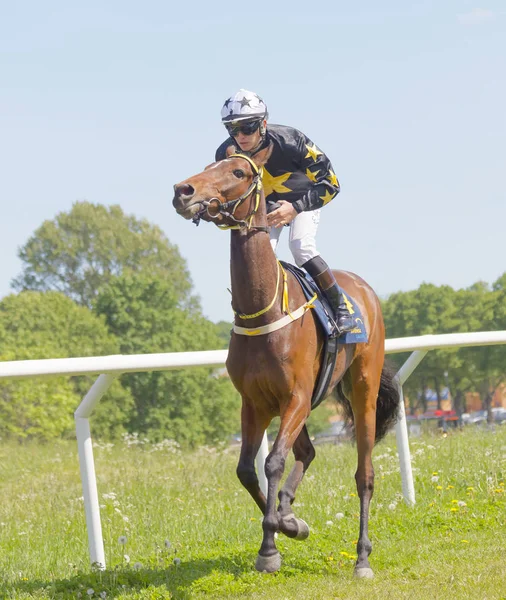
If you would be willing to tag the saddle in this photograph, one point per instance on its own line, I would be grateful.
(325, 318)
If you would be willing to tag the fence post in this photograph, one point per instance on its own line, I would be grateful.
(263, 452)
(401, 428)
(87, 467)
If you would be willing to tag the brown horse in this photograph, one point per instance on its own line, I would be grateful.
(275, 371)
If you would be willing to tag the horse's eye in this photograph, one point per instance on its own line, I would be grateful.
(238, 173)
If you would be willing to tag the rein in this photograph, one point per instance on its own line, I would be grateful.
(227, 209)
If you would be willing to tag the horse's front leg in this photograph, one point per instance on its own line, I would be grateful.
(253, 427)
(304, 453)
(292, 421)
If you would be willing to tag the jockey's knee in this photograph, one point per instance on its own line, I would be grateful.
(302, 251)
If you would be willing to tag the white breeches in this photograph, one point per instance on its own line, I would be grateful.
(302, 236)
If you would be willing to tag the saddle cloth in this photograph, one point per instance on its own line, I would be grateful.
(323, 311)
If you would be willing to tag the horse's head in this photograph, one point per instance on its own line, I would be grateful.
(227, 192)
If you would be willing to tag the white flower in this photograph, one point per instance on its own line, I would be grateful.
(167, 544)
(346, 498)
(461, 503)
(177, 561)
(122, 540)
(90, 591)
(339, 515)
(103, 594)
(138, 566)
(392, 505)
(125, 518)
(434, 479)
(126, 558)
(329, 523)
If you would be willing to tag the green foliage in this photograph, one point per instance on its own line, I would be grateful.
(431, 310)
(223, 329)
(36, 325)
(137, 283)
(79, 251)
(193, 406)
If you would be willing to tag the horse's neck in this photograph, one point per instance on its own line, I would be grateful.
(254, 271)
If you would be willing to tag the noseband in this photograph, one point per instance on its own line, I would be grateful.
(227, 209)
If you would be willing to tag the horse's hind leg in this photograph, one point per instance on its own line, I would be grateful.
(304, 453)
(365, 381)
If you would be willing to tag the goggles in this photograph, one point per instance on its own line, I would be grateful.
(247, 128)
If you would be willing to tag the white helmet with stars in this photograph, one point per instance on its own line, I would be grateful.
(242, 106)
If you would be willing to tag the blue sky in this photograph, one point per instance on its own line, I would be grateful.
(114, 102)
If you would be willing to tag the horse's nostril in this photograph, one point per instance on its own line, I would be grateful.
(185, 190)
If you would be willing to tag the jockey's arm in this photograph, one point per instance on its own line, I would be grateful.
(317, 167)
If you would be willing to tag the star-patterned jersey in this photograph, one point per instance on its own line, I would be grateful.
(297, 170)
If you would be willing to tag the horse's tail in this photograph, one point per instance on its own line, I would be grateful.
(387, 404)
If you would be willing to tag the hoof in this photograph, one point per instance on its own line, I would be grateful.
(268, 564)
(294, 528)
(303, 530)
(364, 573)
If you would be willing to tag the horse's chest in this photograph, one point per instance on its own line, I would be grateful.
(253, 362)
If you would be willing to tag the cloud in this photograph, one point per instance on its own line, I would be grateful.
(475, 16)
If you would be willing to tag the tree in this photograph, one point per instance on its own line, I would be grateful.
(78, 252)
(223, 329)
(193, 406)
(432, 309)
(36, 325)
(489, 362)
(428, 310)
(500, 283)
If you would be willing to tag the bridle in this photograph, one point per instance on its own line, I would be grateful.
(227, 209)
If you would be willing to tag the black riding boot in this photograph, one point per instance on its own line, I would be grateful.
(324, 278)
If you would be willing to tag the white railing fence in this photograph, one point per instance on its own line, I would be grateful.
(111, 367)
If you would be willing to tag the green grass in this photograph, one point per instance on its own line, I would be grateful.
(438, 549)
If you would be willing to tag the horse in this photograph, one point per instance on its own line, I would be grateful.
(274, 358)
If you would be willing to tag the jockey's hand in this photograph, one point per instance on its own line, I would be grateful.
(283, 215)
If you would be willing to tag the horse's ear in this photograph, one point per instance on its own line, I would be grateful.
(230, 150)
(260, 158)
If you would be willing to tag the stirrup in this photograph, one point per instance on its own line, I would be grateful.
(346, 324)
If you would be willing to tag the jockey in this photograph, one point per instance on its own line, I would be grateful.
(298, 179)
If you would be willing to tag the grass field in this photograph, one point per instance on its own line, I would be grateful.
(180, 526)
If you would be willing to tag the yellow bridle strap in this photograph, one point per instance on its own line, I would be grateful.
(252, 163)
(264, 310)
